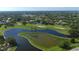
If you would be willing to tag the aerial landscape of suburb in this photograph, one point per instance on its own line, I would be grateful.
(39, 29)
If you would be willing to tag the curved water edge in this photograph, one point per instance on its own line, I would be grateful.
(22, 43)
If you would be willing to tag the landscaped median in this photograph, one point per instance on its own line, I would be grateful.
(44, 41)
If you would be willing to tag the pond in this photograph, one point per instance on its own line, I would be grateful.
(22, 43)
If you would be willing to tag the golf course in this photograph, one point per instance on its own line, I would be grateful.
(39, 31)
(41, 37)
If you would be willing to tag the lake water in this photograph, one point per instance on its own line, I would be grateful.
(22, 43)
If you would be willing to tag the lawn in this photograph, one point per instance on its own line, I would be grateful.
(59, 28)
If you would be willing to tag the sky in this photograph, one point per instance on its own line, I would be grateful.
(39, 8)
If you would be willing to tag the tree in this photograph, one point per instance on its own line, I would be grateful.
(74, 28)
(0, 25)
(11, 41)
(72, 40)
(66, 45)
(2, 39)
(24, 23)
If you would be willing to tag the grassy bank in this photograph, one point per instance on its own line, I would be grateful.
(44, 41)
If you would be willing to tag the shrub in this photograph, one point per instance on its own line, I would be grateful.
(66, 45)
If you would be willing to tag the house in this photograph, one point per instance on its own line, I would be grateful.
(2, 22)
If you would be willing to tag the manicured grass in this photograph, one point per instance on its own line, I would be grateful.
(44, 41)
(12, 48)
(56, 48)
(2, 29)
(59, 28)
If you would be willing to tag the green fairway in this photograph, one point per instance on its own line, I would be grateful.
(59, 28)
